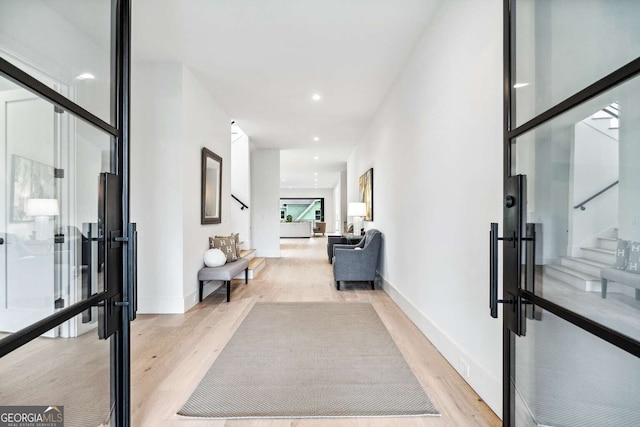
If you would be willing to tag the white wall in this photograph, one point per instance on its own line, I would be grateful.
(156, 184)
(594, 166)
(204, 124)
(241, 187)
(315, 193)
(629, 200)
(435, 146)
(265, 202)
(343, 199)
(172, 118)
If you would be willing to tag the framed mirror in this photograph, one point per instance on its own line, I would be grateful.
(211, 200)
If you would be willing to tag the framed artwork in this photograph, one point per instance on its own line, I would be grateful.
(29, 180)
(365, 189)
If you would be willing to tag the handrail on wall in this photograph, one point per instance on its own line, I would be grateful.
(581, 205)
(243, 205)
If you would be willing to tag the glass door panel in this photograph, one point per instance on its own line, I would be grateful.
(72, 374)
(572, 288)
(563, 46)
(582, 172)
(567, 377)
(51, 165)
(66, 44)
(62, 246)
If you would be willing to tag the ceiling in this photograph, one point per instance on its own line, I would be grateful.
(263, 60)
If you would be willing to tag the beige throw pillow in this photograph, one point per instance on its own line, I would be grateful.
(226, 244)
(236, 237)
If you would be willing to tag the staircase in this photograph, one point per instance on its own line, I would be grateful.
(584, 272)
(256, 264)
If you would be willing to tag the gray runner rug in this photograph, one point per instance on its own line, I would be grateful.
(309, 360)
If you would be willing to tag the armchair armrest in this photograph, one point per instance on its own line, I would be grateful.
(346, 254)
(342, 246)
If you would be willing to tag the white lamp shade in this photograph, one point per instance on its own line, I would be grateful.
(357, 209)
(42, 207)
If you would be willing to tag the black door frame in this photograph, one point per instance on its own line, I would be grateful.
(118, 300)
(511, 132)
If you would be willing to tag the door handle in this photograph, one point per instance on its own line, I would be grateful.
(130, 297)
(531, 312)
(1, 241)
(493, 269)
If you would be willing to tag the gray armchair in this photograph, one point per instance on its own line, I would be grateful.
(357, 265)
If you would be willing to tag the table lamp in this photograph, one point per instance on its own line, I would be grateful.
(42, 210)
(357, 211)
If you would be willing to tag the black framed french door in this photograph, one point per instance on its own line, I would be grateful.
(570, 238)
(67, 248)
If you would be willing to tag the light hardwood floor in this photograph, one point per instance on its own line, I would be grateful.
(171, 353)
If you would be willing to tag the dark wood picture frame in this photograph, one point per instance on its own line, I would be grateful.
(211, 184)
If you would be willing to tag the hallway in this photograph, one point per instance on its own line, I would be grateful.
(171, 353)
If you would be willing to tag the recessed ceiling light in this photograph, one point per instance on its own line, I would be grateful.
(316, 97)
(86, 76)
(315, 173)
(283, 180)
(519, 85)
(316, 138)
(316, 158)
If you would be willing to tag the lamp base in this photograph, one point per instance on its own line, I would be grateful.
(43, 229)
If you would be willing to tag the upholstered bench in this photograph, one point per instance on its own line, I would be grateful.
(225, 273)
(619, 276)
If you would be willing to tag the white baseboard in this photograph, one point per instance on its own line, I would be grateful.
(486, 385)
(191, 300)
(161, 305)
(175, 305)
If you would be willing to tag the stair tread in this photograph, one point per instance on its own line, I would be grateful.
(570, 271)
(603, 251)
(611, 239)
(587, 261)
(255, 262)
(245, 252)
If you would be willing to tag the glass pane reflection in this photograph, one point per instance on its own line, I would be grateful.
(563, 46)
(66, 44)
(72, 372)
(49, 182)
(570, 378)
(582, 172)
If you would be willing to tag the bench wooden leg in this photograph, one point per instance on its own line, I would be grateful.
(246, 275)
(338, 284)
(603, 282)
(201, 286)
(228, 290)
(638, 294)
(373, 285)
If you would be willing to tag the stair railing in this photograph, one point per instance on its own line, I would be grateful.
(242, 204)
(581, 205)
